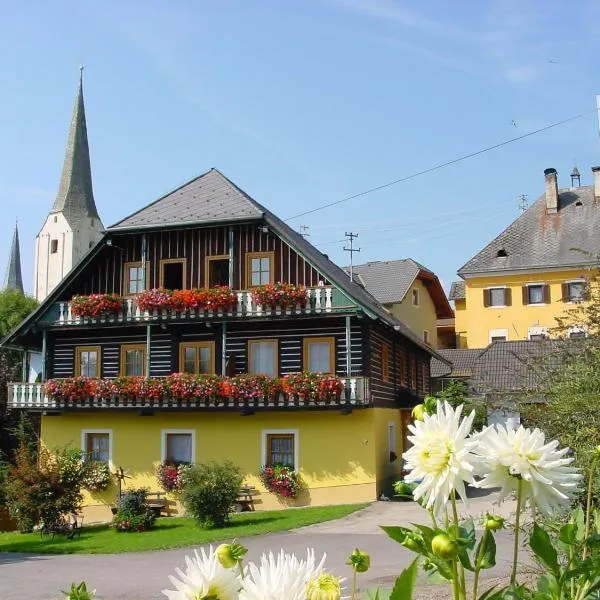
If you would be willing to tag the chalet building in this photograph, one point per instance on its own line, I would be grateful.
(111, 341)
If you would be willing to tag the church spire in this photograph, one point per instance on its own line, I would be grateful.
(14, 279)
(75, 197)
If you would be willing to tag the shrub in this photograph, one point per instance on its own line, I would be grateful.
(133, 513)
(211, 491)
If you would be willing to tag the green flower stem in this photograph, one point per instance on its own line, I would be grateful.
(435, 525)
(455, 585)
(478, 560)
(353, 597)
(240, 564)
(588, 506)
(513, 576)
(461, 569)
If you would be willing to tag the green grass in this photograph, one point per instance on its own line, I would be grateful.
(172, 532)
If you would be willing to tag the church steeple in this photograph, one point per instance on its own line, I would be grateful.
(75, 197)
(14, 279)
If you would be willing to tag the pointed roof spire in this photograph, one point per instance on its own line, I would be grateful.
(75, 195)
(14, 279)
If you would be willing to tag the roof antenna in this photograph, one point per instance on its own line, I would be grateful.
(575, 176)
(304, 231)
(352, 250)
(523, 202)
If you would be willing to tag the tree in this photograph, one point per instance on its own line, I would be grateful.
(14, 307)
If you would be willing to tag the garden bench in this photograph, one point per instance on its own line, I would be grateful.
(156, 502)
(245, 500)
(67, 525)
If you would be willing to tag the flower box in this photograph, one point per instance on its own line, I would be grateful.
(313, 386)
(96, 305)
(155, 299)
(282, 295)
(281, 480)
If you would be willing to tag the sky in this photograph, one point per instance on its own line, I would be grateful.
(303, 104)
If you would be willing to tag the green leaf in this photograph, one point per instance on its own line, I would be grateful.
(466, 534)
(465, 560)
(443, 567)
(568, 534)
(398, 534)
(488, 558)
(541, 544)
(403, 588)
(578, 520)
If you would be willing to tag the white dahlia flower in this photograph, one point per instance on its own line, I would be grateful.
(509, 456)
(440, 459)
(204, 577)
(281, 577)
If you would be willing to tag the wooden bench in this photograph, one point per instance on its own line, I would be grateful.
(155, 501)
(246, 498)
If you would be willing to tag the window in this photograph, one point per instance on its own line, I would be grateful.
(537, 333)
(53, 246)
(426, 336)
(197, 357)
(415, 297)
(319, 355)
(536, 293)
(280, 446)
(134, 277)
(172, 274)
(216, 270)
(55, 219)
(385, 362)
(498, 296)
(96, 444)
(413, 374)
(402, 368)
(87, 361)
(577, 332)
(178, 446)
(498, 335)
(259, 268)
(574, 291)
(262, 357)
(133, 359)
(392, 441)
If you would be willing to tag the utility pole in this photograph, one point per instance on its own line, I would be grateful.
(304, 231)
(352, 250)
(523, 202)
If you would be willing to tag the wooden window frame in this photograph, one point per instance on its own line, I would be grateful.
(527, 294)
(84, 443)
(207, 261)
(268, 434)
(163, 442)
(487, 296)
(385, 362)
(197, 345)
(172, 261)
(252, 343)
(123, 357)
(267, 254)
(566, 297)
(126, 267)
(306, 342)
(78, 352)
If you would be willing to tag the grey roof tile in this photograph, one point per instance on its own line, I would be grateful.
(457, 291)
(462, 359)
(539, 240)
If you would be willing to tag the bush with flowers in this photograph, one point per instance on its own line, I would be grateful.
(171, 475)
(96, 305)
(96, 475)
(313, 386)
(133, 514)
(281, 480)
(282, 295)
(154, 299)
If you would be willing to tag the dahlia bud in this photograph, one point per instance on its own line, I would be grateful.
(324, 587)
(229, 555)
(418, 412)
(359, 561)
(443, 546)
(493, 522)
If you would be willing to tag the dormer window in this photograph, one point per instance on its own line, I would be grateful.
(501, 253)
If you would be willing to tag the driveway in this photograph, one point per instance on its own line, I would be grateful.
(142, 576)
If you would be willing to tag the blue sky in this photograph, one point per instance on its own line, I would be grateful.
(301, 104)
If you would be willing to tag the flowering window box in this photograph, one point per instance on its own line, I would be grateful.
(280, 295)
(313, 386)
(155, 299)
(96, 305)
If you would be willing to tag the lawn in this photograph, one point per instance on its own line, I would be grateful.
(172, 532)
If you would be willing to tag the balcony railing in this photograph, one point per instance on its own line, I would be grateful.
(32, 396)
(324, 299)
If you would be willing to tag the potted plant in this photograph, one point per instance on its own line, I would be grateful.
(171, 475)
(155, 299)
(281, 479)
(282, 295)
(96, 475)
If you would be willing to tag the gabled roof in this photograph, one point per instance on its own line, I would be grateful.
(538, 240)
(221, 201)
(211, 197)
(389, 281)
(457, 291)
(75, 196)
(14, 278)
(462, 361)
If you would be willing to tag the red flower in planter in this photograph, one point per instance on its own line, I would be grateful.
(96, 305)
(155, 299)
(313, 386)
(282, 295)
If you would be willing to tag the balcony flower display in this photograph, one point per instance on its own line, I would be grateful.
(171, 475)
(220, 297)
(182, 300)
(185, 386)
(71, 388)
(282, 295)
(251, 387)
(313, 386)
(96, 305)
(281, 480)
(155, 299)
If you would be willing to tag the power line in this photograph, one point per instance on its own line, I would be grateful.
(352, 250)
(445, 164)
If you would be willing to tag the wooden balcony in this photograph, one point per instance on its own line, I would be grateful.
(321, 300)
(31, 396)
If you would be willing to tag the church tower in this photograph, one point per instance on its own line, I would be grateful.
(73, 225)
(14, 279)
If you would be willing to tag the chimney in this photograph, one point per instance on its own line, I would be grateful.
(551, 191)
(596, 172)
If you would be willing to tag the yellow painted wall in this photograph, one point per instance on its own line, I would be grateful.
(460, 323)
(477, 320)
(418, 318)
(339, 455)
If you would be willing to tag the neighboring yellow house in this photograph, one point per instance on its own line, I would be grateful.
(411, 292)
(535, 270)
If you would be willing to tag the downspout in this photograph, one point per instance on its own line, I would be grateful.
(231, 256)
(223, 348)
(144, 257)
(44, 350)
(148, 331)
(348, 347)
